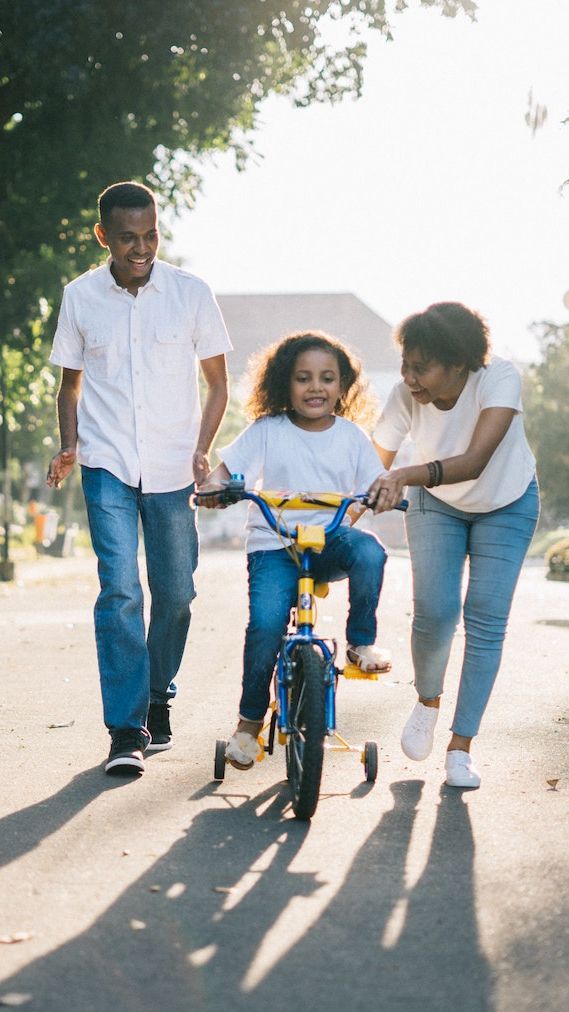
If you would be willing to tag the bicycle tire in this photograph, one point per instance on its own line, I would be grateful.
(371, 761)
(219, 761)
(307, 717)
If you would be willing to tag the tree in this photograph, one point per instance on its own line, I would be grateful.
(547, 419)
(92, 91)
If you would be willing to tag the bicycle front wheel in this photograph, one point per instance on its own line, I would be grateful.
(307, 718)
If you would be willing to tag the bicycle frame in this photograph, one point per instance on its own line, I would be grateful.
(307, 539)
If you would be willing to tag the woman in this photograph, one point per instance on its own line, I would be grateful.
(473, 495)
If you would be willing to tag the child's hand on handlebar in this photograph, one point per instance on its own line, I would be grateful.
(213, 483)
(386, 492)
(209, 496)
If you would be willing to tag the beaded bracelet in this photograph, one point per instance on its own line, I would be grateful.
(435, 469)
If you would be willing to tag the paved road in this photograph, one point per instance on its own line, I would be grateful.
(175, 893)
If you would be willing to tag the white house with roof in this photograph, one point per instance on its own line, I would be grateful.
(256, 320)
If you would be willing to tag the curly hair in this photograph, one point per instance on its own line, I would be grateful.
(270, 372)
(447, 332)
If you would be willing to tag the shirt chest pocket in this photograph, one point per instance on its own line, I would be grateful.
(172, 351)
(99, 355)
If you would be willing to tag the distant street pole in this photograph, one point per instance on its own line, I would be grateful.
(6, 565)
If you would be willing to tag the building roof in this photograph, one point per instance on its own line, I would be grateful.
(254, 321)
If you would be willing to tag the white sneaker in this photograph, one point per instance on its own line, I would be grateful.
(369, 658)
(242, 750)
(460, 771)
(418, 733)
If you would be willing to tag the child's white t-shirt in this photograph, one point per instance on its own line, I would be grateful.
(275, 454)
(438, 434)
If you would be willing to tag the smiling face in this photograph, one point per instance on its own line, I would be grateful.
(315, 389)
(430, 382)
(132, 238)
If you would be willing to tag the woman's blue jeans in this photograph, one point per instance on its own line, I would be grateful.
(440, 540)
(357, 555)
(136, 669)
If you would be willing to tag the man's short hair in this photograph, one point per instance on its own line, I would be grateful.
(124, 195)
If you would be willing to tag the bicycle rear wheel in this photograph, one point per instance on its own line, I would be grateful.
(307, 718)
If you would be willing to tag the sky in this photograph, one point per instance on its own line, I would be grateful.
(429, 187)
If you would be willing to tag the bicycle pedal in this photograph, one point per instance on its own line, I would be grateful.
(352, 671)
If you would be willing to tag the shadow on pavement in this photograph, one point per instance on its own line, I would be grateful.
(22, 831)
(397, 948)
(377, 945)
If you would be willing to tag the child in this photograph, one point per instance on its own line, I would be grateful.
(308, 392)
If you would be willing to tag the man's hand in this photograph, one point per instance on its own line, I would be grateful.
(200, 464)
(60, 466)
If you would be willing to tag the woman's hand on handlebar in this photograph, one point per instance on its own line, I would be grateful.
(386, 492)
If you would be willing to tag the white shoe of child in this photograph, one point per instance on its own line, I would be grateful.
(369, 658)
(243, 746)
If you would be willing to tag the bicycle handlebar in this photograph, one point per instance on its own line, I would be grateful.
(235, 491)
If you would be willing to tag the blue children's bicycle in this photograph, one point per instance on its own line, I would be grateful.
(303, 711)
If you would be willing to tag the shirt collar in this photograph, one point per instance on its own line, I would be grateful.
(156, 277)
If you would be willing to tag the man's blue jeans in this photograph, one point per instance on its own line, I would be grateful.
(273, 576)
(136, 669)
(440, 540)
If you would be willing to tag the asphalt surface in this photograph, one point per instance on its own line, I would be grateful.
(173, 892)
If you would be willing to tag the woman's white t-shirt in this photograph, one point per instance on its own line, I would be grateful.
(439, 434)
(275, 454)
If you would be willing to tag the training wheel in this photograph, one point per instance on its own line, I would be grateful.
(370, 761)
(219, 763)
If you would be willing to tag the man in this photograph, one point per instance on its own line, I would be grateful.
(129, 336)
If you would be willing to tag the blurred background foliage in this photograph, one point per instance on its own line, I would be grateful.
(92, 92)
(546, 403)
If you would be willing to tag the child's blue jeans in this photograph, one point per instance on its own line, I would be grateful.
(441, 539)
(348, 553)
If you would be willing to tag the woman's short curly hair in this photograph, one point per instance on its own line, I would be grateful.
(270, 373)
(447, 332)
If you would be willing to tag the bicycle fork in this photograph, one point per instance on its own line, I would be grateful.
(304, 633)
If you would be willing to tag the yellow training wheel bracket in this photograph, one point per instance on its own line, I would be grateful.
(261, 753)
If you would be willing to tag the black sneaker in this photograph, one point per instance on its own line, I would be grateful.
(158, 724)
(126, 755)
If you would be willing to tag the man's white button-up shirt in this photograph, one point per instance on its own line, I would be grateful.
(139, 411)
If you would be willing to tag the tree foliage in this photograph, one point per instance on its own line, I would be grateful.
(547, 419)
(92, 91)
